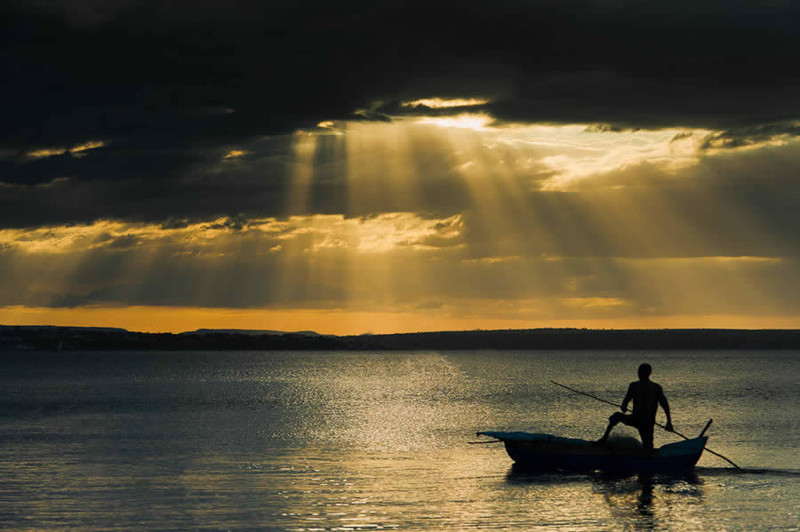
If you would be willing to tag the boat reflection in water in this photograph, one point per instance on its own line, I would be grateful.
(642, 501)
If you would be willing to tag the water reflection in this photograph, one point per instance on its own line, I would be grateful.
(641, 501)
(364, 441)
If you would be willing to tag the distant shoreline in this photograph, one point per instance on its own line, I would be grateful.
(50, 338)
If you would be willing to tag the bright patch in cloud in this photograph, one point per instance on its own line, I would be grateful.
(91, 145)
(594, 302)
(319, 232)
(464, 121)
(445, 103)
(377, 234)
(46, 152)
(576, 154)
(78, 150)
(546, 157)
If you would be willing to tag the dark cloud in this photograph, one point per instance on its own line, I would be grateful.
(171, 86)
(172, 185)
(750, 136)
(151, 65)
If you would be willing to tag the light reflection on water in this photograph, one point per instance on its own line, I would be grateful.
(360, 441)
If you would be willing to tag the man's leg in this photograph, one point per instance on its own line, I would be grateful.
(646, 433)
(612, 422)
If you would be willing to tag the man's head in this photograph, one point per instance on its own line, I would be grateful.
(644, 371)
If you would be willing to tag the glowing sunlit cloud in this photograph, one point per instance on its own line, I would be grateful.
(46, 152)
(235, 154)
(450, 290)
(328, 127)
(379, 234)
(572, 155)
(376, 234)
(476, 122)
(721, 142)
(78, 150)
(445, 103)
(576, 154)
(720, 260)
(594, 302)
(105, 234)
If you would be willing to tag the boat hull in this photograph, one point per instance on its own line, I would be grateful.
(547, 452)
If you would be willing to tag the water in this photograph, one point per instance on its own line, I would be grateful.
(378, 441)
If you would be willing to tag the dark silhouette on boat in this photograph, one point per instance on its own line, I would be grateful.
(646, 396)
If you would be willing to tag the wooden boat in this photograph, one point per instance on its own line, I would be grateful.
(547, 452)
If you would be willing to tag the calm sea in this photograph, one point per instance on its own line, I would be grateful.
(379, 440)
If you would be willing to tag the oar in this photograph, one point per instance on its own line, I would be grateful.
(659, 424)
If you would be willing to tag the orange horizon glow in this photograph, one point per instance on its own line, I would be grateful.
(343, 322)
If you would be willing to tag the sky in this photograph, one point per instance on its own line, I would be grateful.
(351, 167)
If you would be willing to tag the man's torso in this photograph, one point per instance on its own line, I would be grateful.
(646, 395)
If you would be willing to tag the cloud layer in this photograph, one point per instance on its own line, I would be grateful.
(543, 159)
(164, 84)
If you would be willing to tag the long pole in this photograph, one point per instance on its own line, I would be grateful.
(659, 424)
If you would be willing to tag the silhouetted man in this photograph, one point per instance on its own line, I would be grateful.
(646, 396)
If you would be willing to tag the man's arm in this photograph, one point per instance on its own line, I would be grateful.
(628, 397)
(662, 400)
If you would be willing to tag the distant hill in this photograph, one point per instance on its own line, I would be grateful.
(59, 328)
(249, 332)
(26, 338)
(583, 339)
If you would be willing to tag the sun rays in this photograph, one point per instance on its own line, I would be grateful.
(570, 220)
(431, 222)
